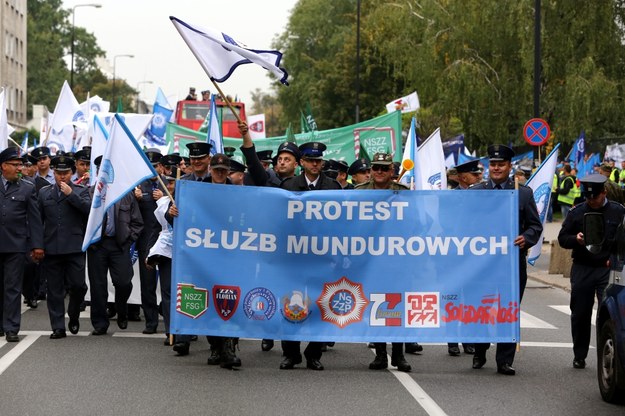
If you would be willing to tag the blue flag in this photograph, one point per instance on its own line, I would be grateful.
(158, 127)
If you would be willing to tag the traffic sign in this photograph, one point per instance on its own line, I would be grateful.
(536, 132)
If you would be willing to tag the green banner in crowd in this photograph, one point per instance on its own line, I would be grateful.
(380, 134)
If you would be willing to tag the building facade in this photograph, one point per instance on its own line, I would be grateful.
(13, 41)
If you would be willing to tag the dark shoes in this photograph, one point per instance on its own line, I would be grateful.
(579, 364)
(122, 323)
(266, 344)
(12, 337)
(468, 348)
(214, 358)
(98, 332)
(478, 362)
(182, 348)
(379, 363)
(453, 351)
(58, 334)
(400, 362)
(413, 348)
(31, 303)
(371, 345)
(73, 325)
(149, 331)
(289, 363)
(229, 357)
(506, 369)
(314, 365)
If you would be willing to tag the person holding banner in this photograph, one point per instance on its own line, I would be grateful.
(312, 178)
(530, 228)
(64, 209)
(590, 272)
(382, 178)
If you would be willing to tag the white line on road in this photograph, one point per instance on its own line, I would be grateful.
(8, 358)
(566, 309)
(530, 321)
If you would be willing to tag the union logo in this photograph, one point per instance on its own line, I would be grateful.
(226, 300)
(295, 307)
(259, 304)
(342, 302)
(191, 301)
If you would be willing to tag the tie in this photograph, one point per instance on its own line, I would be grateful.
(199, 179)
(498, 186)
(311, 187)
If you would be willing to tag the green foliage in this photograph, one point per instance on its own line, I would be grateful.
(470, 61)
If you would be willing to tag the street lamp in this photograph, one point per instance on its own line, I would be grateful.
(114, 66)
(357, 62)
(138, 84)
(71, 74)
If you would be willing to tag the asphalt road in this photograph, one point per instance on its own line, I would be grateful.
(128, 373)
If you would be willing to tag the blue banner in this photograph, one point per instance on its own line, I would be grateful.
(352, 266)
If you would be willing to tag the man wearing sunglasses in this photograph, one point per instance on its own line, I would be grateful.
(590, 272)
(382, 171)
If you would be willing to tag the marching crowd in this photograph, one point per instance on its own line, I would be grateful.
(46, 200)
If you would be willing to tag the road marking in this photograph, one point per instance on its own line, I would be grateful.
(425, 401)
(8, 358)
(530, 321)
(566, 309)
(136, 335)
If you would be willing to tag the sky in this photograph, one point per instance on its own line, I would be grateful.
(162, 59)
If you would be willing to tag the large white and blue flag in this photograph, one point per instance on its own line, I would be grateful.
(431, 173)
(155, 134)
(123, 166)
(213, 133)
(541, 182)
(220, 54)
(409, 158)
(67, 120)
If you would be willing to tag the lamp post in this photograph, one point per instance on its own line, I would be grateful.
(71, 74)
(357, 62)
(114, 67)
(137, 100)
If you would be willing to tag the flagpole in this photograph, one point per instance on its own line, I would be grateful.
(160, 180)
(24, 150)
(223, 96)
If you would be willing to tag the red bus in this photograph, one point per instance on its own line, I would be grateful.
(191, 114)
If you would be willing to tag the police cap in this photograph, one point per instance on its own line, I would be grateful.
(220, 161)
(10, 153)
(312, 150)
(500, 152)
(264, 155)
(170, 160)
(41, 152)
(592, 185)
(199, 149)
(291, 148)
(359, 165)
(83, 154)
(236, 166)
(62, 163)
(229, 151)
(29, 160)
(154, 156)
(472, 166)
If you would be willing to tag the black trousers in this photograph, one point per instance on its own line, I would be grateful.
(11, 272)
(30, 285)
(506, 350)
(164, 274)
(291, 349)
(66, 273)
(586, 283)
(104, 257)
(148, 285)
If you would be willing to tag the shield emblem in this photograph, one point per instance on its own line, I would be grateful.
(226, 300)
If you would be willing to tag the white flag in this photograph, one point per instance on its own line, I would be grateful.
(95, 104)
(256, 123)
(213, 133)
(123, 166)
(430, 165)
(5, 129)
(67, 113)
(219, 54)
(409, 157)
(541, 182)
(405, 104)
(99, 131)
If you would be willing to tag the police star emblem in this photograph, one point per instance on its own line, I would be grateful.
(342, 302)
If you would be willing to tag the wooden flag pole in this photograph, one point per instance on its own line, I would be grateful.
(160, 180)
(225, 99)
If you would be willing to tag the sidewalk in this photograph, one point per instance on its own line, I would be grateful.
(539, 273)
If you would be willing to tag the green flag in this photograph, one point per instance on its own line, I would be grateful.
(120, 107)
(307, 121)
(290, 137)
(362, 153)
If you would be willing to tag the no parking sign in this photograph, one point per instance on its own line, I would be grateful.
(536, 132)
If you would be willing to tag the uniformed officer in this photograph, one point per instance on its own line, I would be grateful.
(30, 287)
(121, 227)
(20, 231)
(312, 178)
(589, 272)
(199, 156)
(147, 193)
(337, 169)
(83, 166)
(265, 158)
(382, 171)
(360, 171)
(64, 209)
(530, 228)
(237, 172)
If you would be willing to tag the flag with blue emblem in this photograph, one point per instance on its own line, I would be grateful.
(431, 173)
(67, 115)
(576, 156)
(155, 134)
(213, 133)
(409, 157)
(219, 54)
(541, 182)
(123, 166)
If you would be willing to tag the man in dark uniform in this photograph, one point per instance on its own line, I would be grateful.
(199, 156)
(312, 178)
(590, 272)
(20, 231)
(42, 154)
(30, 287)
(337, 169)
(121, 227)
(237, 172)
(64, 209)
(382, 171)
(360, 171)
(83, 166)
(530, 228)
(147, 193)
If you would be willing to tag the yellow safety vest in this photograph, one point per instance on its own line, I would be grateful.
(575, 192)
